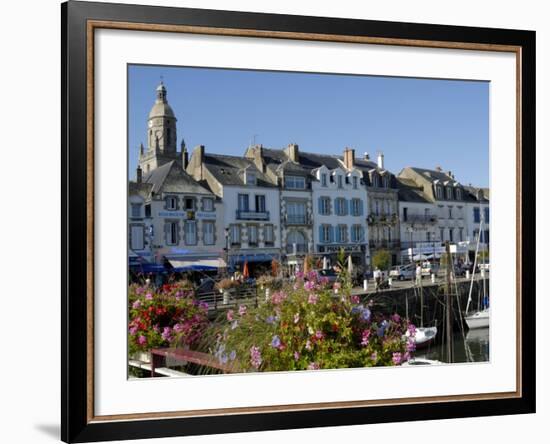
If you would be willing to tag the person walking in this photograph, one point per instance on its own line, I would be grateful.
(418, 274)
(376, 275)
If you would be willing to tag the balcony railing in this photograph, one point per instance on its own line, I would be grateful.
(297, 219)
(252, 215)
(384, 244)
(419, 219)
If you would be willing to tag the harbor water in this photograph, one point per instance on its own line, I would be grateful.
(468, 346)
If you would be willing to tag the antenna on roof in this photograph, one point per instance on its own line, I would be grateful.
(253, 140)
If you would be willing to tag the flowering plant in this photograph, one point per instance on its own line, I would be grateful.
(167, 316)
(306, 325)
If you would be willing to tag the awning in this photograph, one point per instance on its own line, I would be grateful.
(147, 267)
(197, 264)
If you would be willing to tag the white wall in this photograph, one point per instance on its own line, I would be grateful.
(35, 419)
(419, 229)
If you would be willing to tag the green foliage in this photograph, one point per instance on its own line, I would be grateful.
(381, 259)
(307, 325)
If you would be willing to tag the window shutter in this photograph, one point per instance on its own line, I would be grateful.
(360, 207)
(321, 234)
(347, 207)
(331, 233)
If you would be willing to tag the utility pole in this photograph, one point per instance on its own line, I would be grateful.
(448, 306)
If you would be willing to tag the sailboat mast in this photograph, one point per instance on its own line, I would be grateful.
(448, 307)
(474, 269)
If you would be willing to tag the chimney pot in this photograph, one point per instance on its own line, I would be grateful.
(381, 160)
(139, 175)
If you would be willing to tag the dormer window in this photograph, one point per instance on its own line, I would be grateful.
(439, 192)
(375, 181)
(324, 179)
(340, 181)
(449, 193)
(295, 182)
(458, 194)
(249, 178)
(354, 179)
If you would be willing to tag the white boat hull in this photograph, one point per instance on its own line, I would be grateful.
(424, 336)
(479, 319)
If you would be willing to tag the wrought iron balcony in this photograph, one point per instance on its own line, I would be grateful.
(419, 219)
(297, 219)
(252, 215)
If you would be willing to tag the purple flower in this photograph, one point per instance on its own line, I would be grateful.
(232, 355)
(365, 315)
(296, 356)
(270, 319)
(313, 366)
(136, 304)
(278, 297)
(142, 340)
(203, 305)
(223, 358)
(411, 329)
(319, 334)
(299, 274)
(242, 310)
(396, 318)
(374, 356)
(149, 296)
(178, 328)
(365, 338)
(255, 357)
(276, 342)
(323, 280)
(229, 315)
(133, 330)
(397, 358)
(166, 334)
(139, 290)
(411, 345)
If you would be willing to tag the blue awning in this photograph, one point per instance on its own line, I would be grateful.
(147, 268)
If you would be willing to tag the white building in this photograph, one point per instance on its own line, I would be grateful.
(251, 207)
(478, 215)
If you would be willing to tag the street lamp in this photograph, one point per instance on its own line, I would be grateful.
(226, 249)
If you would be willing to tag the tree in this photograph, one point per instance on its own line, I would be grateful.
(381, 259)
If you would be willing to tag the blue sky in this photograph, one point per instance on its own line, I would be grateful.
(415, 122)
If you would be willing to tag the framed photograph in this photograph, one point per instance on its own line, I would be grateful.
(275, 221)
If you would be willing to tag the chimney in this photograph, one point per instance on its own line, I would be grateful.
(366, 156)
(141, 149)
(450, 174)
(438, 168)
(293, 153)
(349, 158)
(184, 155)
(139, 175)
(380, 160)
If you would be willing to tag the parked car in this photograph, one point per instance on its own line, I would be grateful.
(403, 272)
(206, 287)
(429, 268)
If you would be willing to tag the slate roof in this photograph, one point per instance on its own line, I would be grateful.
(432, 175)
(140, 189)
(170, 178)
(472, 193)
(409, 191)
(228, 170)
(277, 158)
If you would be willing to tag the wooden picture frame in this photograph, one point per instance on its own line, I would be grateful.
(79, 22)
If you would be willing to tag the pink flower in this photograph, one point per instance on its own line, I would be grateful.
(133, 330)
(319, 334)
(178, 328)
(255, 357)
(313, 366)
(229, 315)
(309, 285)
(149, 296)
(411, 345)
(296, 356)
(142, 340)
(397, 358)
(355, 299)
(312, 298)
(166, 334)
(323, 280)
(396, 318)
(139, 290)
(136, 304)
(308, 345)
(365, 338)
(412, 330)
(242, 310)
(278, 297)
